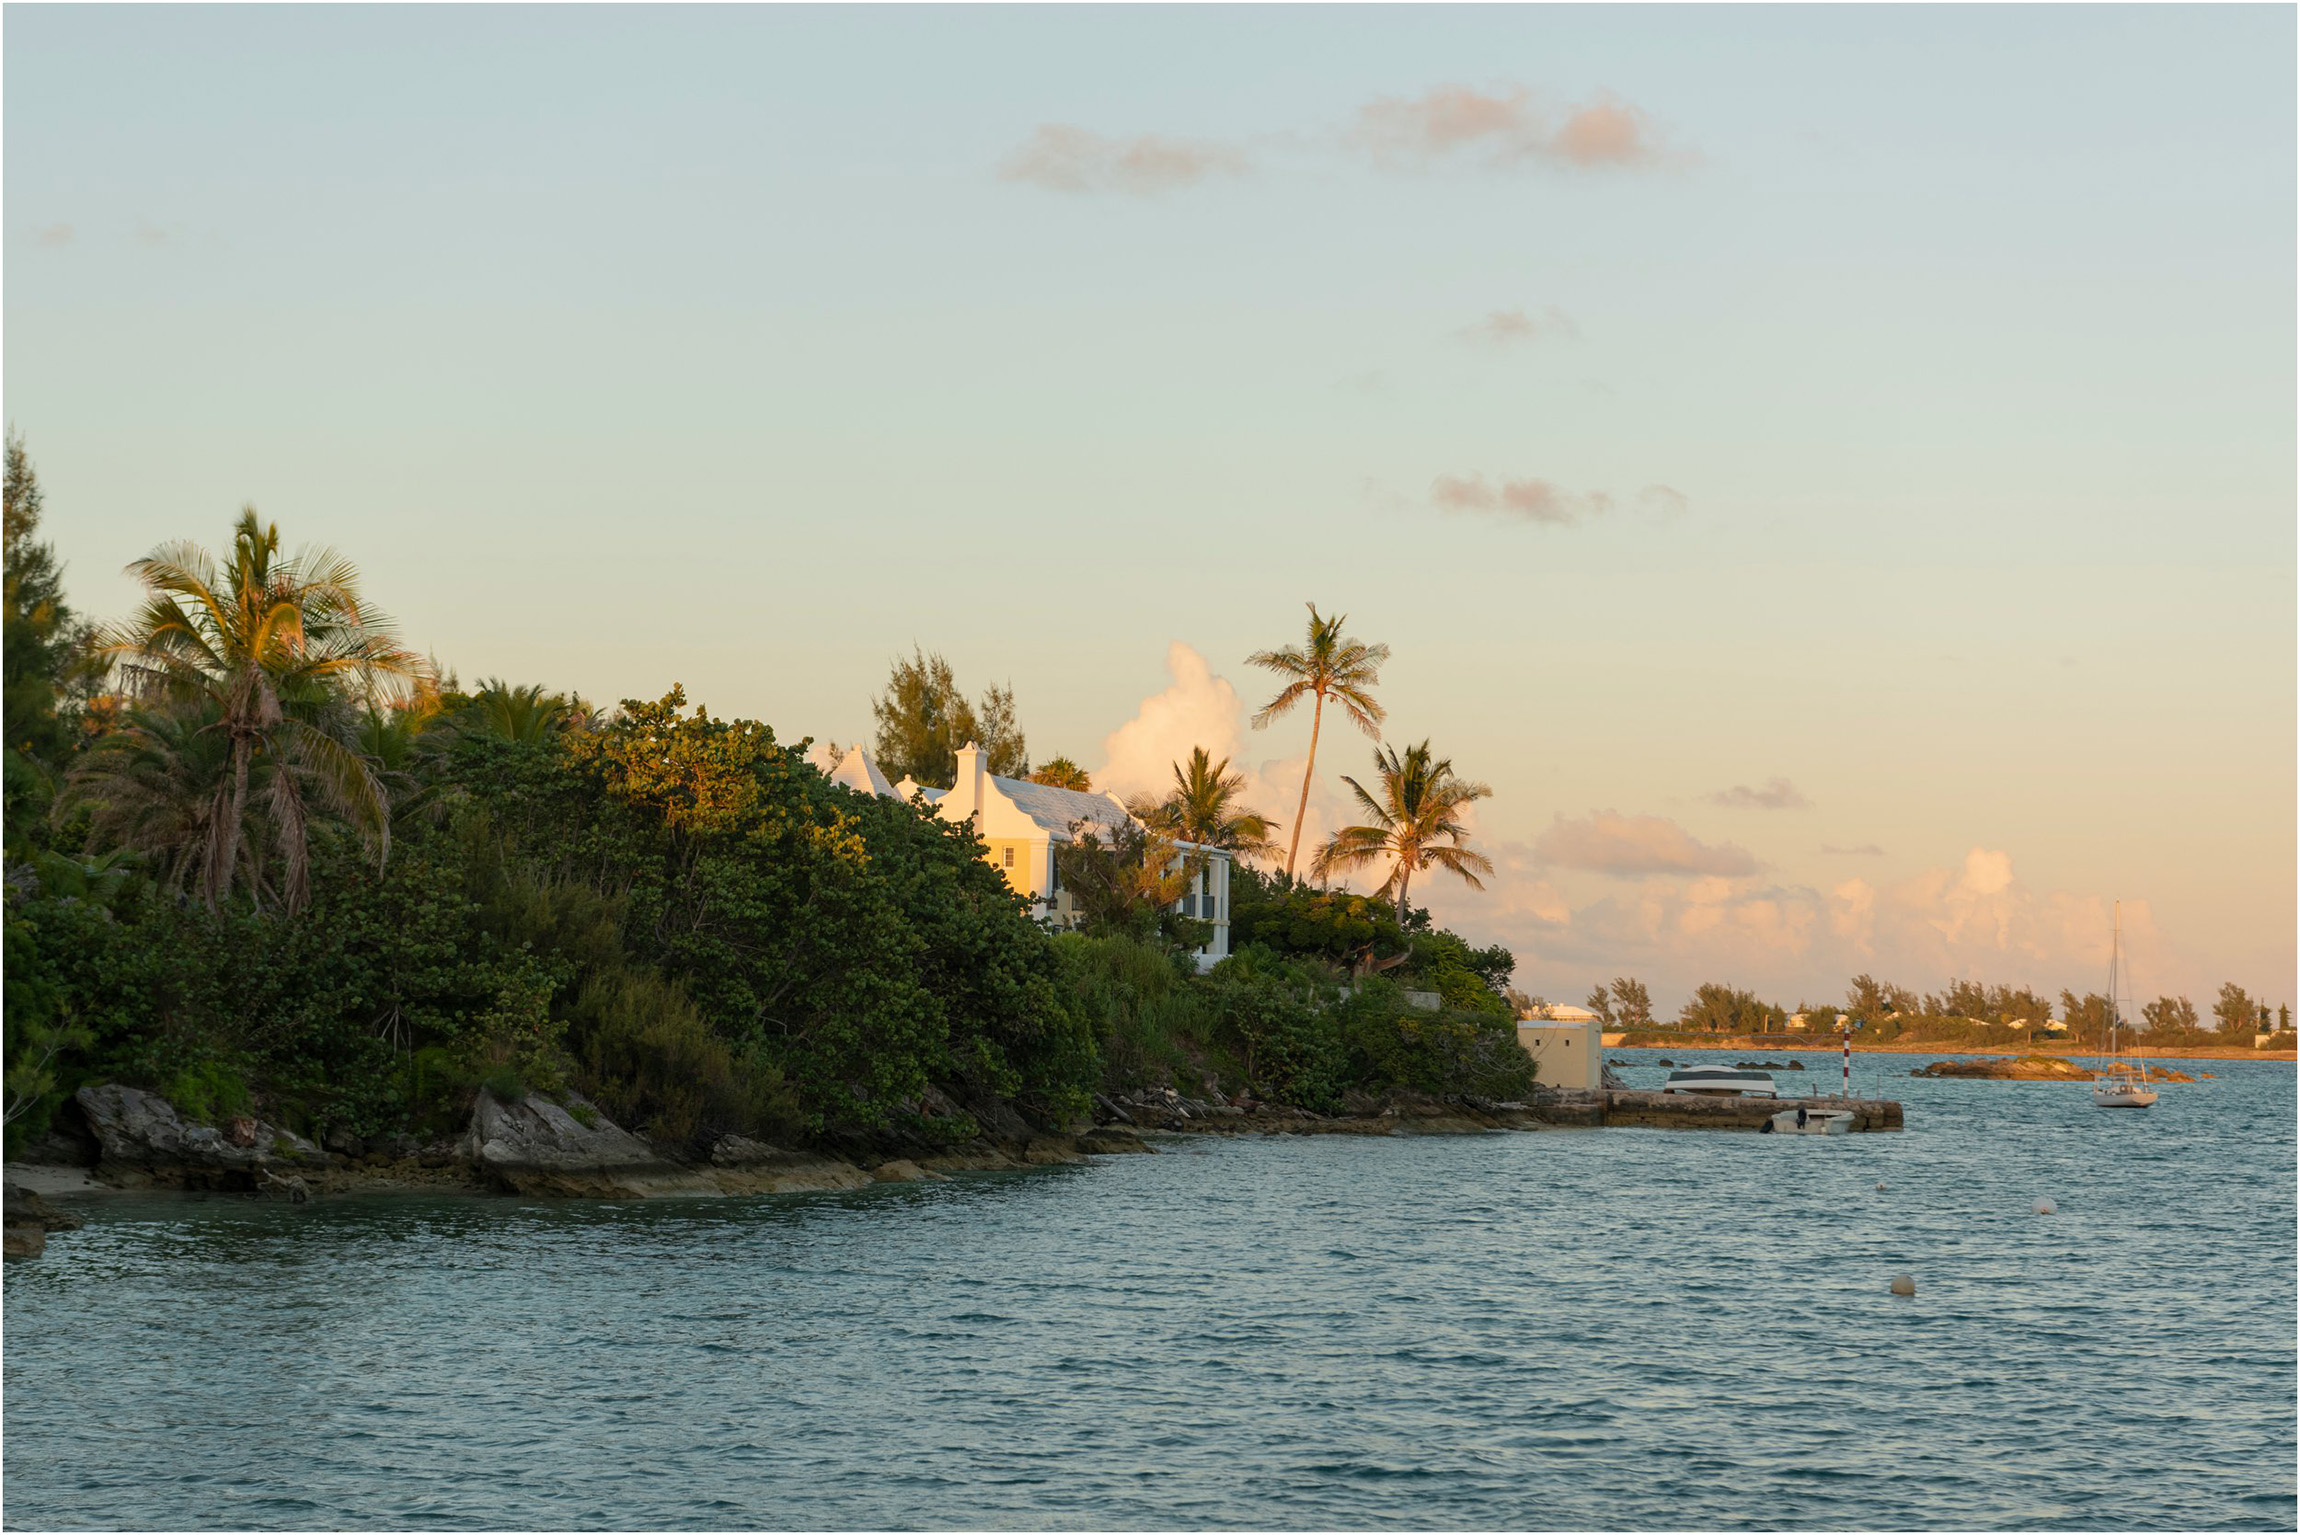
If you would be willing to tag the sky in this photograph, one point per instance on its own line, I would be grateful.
(1830, 471)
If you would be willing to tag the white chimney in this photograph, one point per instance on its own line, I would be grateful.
(969, 786)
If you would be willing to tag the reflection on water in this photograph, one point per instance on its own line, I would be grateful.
(1574, 1329)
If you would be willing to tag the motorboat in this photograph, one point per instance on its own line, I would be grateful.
(1808, 1121)
(1720, 1082)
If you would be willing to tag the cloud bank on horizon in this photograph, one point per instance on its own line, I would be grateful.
(1605, 893)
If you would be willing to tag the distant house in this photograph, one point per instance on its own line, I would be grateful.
(1021, 824)
(1560, 1012)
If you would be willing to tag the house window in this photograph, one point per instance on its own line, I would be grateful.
(1010, 858)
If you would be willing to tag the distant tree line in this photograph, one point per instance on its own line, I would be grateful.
(1961, 1006)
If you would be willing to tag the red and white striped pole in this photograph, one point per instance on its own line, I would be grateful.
(1845, 1030)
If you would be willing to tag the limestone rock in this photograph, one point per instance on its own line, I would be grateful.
(538, 1147)
(143, 1140)
(24, 1207)
(789, 1172)
(2026, 1068)
(902, 1170)
(1113, 1141)
(1051, 1151)
(29, 1219)
(741, 1151)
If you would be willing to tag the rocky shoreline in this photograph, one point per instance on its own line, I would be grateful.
(119, 1138)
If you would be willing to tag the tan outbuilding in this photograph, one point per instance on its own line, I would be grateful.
(1564, 1054)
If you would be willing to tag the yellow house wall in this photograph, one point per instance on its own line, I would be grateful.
(1028, 874)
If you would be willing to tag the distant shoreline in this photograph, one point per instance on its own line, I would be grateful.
(1822, 1043)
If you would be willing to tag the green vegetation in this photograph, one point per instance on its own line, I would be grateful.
(1415, 822)
(1202, 808)
(1062, 773)
(923, 721)
(1715, 1009)
(261, 859)
(1961, 1013)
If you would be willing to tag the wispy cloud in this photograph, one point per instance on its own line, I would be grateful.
(1065, 158)
(1542, 502)
(1634, 846)
(149, 234)
(1777, 794)
(1502, 130)
(53, 236)
(1507, 128)
(1865, 850)
(1505, 327)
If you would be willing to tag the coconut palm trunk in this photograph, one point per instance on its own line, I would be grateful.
(1327, 662)
(224, 832)
(1309, 770)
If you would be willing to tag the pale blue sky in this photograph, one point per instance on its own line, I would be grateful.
(631, 346)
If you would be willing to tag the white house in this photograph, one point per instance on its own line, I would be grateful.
(1021, 823)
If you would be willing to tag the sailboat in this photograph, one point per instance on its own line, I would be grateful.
(2120, 1084)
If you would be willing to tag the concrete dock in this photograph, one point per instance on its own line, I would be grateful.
(1692, 1111)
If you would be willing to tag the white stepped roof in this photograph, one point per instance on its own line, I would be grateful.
(859, 773)
(1053, 810)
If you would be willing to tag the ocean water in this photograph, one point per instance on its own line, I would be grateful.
(1569, 1329)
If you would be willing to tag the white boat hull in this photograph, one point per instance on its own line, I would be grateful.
(1817, 1122)
(2113, 1096)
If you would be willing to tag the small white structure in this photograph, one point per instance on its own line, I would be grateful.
(1564, 1054)
(1560, 1012)
(1021, 824)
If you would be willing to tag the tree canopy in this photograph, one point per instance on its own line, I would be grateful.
(923, 721)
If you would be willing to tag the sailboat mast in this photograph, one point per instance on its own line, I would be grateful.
(2115, 942)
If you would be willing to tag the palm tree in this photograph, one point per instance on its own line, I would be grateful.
(154, 787)
(1415, 821)
(1329, 665)
(1062, 773)
(527, 714)
(1198, 809)
(278, 650)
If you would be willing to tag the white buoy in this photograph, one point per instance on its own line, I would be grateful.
(2047, 1207)
(1904, 1284)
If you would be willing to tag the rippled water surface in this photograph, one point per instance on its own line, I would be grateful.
(1574, 1329)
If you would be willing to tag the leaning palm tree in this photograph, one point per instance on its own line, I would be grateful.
(280, 650)
(1415, 822)
(1329, 664)
(1199, 809)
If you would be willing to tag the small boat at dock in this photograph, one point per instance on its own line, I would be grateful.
(1809, 1121)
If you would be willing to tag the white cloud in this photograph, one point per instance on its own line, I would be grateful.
(1974, 919)
(1198, 708)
